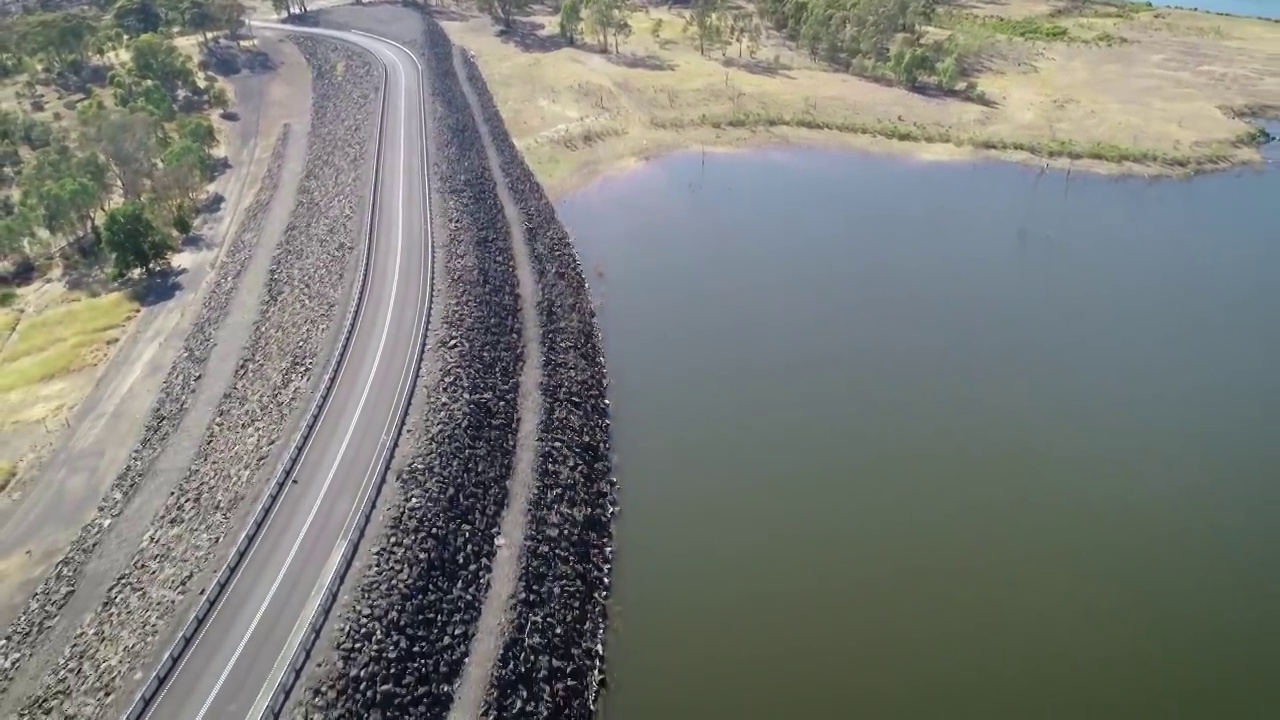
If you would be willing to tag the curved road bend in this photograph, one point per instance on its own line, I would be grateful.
(234, 665)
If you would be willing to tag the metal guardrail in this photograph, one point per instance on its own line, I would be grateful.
(152, 689)
(315, 627)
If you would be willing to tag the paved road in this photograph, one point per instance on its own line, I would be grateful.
(243, 648)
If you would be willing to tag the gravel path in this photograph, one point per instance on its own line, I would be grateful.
(505, 569)
(552, 662)
(121, 639)
(404, 638)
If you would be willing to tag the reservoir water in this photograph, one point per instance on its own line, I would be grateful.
(1254, 8)
(939, 440)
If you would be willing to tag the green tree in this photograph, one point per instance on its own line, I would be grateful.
(908, 61)
(745, 30)
(16, 230)
(200, 17)
(571, 20)
(61, 40)
(504, 11)
(705, 22)
(948, 73)
(197, 129)
(158, 60)
(655, 30)
(605, 19)
(66, 189)
(129, 141)
(134, 241)
(137, 17)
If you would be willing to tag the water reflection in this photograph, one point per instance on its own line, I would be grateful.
(940, 440)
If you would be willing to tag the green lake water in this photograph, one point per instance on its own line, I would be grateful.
(913, 440)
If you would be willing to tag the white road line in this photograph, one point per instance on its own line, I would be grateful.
(403, 389)
(377, 361)
(279, 501)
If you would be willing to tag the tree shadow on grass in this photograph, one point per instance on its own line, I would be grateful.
(159, 288)
(227, 59)
(756, 66)
(447, 14)
(640, 62)
(528, 36)
(88, 275)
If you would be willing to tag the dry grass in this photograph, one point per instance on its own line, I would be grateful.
(1152, 101)
(51, 343)
(59, 339)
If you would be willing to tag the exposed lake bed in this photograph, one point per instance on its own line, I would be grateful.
(912, 439)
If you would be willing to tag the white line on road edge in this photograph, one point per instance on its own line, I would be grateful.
(404, 388)
(294, 648)
(346, 440)
(356, 313)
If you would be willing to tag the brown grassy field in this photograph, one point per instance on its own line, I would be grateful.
(1151, 92)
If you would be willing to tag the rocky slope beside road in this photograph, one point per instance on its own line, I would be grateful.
(551, 665)
(401, 643)
(122, 639)
(171, 404)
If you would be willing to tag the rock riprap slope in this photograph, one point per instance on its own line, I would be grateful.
(402, 640)
(122, 639)
(552, 660)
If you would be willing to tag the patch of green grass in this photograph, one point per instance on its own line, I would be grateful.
(978, 29)
(1121, 9)
(62, 339)
(1252, 137)
(7, 471)
(1050, 149)
(1029, 28)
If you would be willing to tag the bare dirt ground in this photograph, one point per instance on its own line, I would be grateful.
(1166, 87)
(101, 407)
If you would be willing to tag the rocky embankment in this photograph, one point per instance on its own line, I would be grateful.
(552, 660)
(402, 642)
(120, 641)
(172, 402)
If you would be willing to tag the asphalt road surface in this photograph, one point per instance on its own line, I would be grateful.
(242, 650)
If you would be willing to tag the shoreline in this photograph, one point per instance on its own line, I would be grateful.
(587, 174)
(1117, 90)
